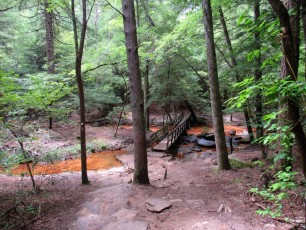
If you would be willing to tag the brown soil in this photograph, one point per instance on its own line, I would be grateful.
(193, 186)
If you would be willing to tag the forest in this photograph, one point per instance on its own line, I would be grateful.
(102, 83)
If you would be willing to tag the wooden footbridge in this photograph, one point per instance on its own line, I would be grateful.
(162, 139)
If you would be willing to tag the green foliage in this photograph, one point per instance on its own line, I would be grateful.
(237, 164)
(277, 192)
(21, 96)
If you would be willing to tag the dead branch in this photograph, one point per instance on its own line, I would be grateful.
(6, 9)
(115, 8)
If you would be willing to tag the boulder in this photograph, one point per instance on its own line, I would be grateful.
(189, 138)
(157, 204)
(207, 136)
(205, 143)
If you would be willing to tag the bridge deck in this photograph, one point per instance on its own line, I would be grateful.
(161, 146)
(173, 133)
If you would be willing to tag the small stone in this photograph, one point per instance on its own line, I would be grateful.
(157, 205)
(197, 149)
(221, 208)
(270, 225)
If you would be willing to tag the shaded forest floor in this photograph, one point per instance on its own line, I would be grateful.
(201, 197)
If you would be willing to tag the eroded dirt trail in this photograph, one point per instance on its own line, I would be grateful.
(193, 187)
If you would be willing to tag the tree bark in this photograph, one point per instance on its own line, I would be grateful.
(146, 96)
(194, 118)
(258, 76)
(304, 30)
(137, 101)
(79, 47)
(290, 61)
(216, 105)
(48, 18)
(233, 66)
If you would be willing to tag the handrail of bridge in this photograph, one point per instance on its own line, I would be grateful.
(163, 132)
(172, 136)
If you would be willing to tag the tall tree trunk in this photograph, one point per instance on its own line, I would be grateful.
(258, 76)
(304, 30)
(79, 47)
(146, 96)
(137, 102)
(290, 61)
(233, 66)
(216, 105)
(48, 18)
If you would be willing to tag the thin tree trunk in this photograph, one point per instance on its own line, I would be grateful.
(123, 106)
(137, 13)
(194, 117)
(146, 96)
(79, 47)
(48, 18)
(216, 105)
(304, 29)
(148, 16)
(137, 102)
(290, 61)
(25, 155)
(258, 76)
(233, 66)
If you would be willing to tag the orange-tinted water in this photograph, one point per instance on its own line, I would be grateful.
(96, 161)
(204, 129)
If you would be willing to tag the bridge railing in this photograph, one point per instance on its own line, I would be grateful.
(163, 132)
(174, 135)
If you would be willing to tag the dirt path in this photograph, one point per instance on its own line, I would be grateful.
(193, 187)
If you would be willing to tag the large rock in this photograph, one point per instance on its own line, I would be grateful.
(189, 138)
(207, 136)
(206, 143)
(157, 205)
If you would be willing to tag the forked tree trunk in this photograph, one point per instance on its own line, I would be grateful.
(79, 47)
(216, 105)
(137, 102)
(290, 61)
(258, 76)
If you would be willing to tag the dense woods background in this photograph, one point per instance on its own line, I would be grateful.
(58, 58)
